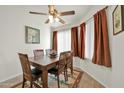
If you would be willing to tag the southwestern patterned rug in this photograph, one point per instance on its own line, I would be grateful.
(73, 81)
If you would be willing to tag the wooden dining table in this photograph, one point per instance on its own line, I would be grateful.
(44, 63)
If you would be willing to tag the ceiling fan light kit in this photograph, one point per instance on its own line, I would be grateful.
(56, 19)
(52, 19)
(54, 15)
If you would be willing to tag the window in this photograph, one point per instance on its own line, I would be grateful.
(64, 40)
(89, 40)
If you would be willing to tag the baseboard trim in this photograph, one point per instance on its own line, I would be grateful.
(16, 85)
(10, 77)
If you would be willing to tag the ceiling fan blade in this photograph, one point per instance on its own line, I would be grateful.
(67, 13)
(61, 20)
(38, 13)
(47, 21)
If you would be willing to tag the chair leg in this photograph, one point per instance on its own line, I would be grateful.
(58, 81)
(71, 71)
(31, 83)
(71, 68)
(65, 74)
(23, 84)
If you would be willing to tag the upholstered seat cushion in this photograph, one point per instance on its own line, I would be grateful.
(36, 71)
(53, 70)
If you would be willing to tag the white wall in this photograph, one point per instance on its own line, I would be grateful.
(12, 37)
(117, 52)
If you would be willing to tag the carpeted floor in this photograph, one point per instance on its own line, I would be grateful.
(73, 81)
(79, 79)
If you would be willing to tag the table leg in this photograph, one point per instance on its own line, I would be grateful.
(45, 78)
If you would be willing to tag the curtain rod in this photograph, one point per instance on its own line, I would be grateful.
(92, 16)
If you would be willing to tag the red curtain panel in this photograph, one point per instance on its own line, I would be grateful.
(82, 41)
(101, 54)
(54, 41)
(74, 40)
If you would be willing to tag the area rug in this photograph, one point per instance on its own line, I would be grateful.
(73, 80)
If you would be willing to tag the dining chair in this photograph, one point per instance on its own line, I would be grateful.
(48, 51)
(38, 53)
(69, 62)
(29, 74)
(60, 67)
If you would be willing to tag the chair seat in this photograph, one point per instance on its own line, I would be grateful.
(53, 70)
(36, 72)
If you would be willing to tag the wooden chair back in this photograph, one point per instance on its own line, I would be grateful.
(38, 53)
(25, 66)
(69, 56)
(62, 62)
(69, 61)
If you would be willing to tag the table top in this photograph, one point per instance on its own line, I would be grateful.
(44, 60)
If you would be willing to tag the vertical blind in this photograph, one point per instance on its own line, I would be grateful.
(89, 39)
(64, 40)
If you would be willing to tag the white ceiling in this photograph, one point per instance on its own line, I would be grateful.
(80, 11)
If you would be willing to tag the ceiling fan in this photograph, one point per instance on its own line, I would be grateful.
(54, 15)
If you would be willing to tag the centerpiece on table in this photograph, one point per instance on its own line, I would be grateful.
(53, 54)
